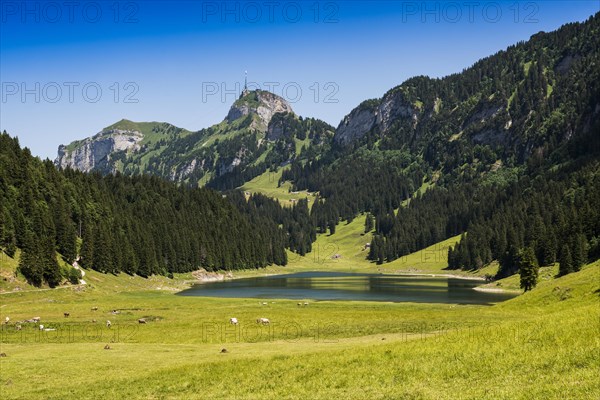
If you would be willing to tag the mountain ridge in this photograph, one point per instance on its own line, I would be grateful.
(236, 145)
(493, 115)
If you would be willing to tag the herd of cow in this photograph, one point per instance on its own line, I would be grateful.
(36, 320)
(18, 324)
(262, 321)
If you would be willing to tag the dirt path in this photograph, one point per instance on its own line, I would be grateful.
(78, 268)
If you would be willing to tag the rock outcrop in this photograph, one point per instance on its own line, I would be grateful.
(261, 103)
(487, 122)
(375, 114)
(88, 154)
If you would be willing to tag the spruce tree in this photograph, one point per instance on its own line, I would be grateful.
(528, 268)
(31, 264)
(579, 253)
(565, 261)
(369, 223)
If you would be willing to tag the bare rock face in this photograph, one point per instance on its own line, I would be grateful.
(392, 107)
(182, 171)
(375, 114)
(262, 103)
(355, 125)
(89, 153)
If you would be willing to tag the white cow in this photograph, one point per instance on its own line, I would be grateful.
(233, 321)
(264, 321)
(41, 327)
(108, 324)
(6, 320)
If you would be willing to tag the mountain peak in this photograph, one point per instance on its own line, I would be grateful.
(123, 124)
(258, 102)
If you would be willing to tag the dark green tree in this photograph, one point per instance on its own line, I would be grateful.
(369, 223)
(528, 268)
(565, 261)
(579, 253)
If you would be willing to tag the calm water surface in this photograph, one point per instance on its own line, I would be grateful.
(350, 286)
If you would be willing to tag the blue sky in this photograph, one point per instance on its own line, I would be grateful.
(68, 69)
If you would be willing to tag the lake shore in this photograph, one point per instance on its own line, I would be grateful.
(495, 290)
(203, 276)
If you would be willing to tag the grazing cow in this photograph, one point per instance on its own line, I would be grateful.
(115, 312)
(263, 321)
(107, 347)
(142, 321)
(305, 303)
(299, 304)
(35, 319)
(2, 354)
(264, 303)
(66, 314)
(6, 320)
(233, 321)
(223, 350)
(18, 327)
(41, 327)
(94, 321)
(94, 308)
(108, 324)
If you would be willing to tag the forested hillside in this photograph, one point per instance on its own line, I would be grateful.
(139, 225)
(506, 150)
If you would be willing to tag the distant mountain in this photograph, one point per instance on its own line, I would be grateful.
(260, 131)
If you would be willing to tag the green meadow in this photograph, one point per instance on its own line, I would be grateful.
(542, 344)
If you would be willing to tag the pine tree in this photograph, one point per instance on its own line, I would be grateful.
(528, 268)
(579, 253)
(369, 223)
(30, 264)
(548, 249)
(332, 225)
(87, 246)
(565, 262)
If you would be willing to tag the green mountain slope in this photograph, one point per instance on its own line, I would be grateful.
(509, 150)
(260, 131)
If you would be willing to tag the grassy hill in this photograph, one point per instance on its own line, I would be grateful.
(329, 349)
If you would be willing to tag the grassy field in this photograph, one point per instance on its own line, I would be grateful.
(266, 184)
(526, 348)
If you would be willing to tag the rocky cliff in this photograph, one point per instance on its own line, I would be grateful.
(410, 115)
(90, 153)
(376, 114)
(261, 103)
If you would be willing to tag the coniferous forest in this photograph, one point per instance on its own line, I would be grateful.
(139, 225)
